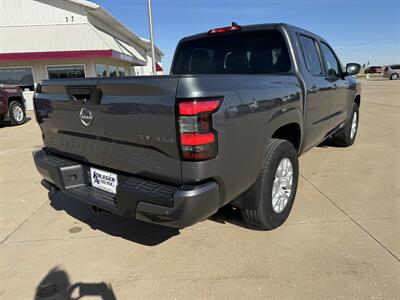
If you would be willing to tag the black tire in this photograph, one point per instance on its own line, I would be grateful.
(264, 216)
(394, 76)
(16, 119)
(344, 137)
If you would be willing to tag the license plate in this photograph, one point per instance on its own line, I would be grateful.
(103, 180)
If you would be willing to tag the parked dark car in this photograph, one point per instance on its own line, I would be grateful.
(227, 126)
(12, 104)
(373, 70)
(392, 72)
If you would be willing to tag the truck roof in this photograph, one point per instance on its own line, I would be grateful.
(264, 26)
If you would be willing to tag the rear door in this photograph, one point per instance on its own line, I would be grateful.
(319, 93)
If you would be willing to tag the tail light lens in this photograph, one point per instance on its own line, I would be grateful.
(224, 29)
(191, 108)
(198, 138)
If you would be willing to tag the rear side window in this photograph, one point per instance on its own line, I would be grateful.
(310, 54)
(332, 64)
(395, 67)
(263, 52)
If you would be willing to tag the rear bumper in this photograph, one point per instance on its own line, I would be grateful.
(137, 198)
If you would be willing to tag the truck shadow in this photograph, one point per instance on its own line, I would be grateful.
(8, 124)
(127, 228)
(56, 285)
(328, 143)
(230, 214)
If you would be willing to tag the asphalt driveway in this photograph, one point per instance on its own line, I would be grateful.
(341, 241)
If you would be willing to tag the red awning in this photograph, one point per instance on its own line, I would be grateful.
(158, 67)
(71, 54)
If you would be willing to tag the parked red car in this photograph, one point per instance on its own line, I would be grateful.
(373, 70)
(12, 104)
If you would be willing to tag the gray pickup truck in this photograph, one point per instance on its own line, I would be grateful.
(227, 126)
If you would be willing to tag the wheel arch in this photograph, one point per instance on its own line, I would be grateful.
(290, 132)
(357, 100)
(286, 125)
(15, 99)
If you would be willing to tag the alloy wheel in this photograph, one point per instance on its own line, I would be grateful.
(282, 186)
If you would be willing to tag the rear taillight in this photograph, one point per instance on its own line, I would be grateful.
(191, 108)
(197, 136)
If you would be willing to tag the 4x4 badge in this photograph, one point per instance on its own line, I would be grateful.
(86, 116)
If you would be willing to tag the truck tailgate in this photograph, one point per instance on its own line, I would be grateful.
(125, 124)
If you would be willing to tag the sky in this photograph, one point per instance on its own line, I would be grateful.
(360, 31)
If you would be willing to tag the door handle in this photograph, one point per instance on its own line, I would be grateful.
(313, 89)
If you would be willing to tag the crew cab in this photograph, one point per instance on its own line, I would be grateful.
(12, 104)
(241, 104)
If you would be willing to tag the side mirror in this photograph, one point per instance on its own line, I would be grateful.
(352, 69)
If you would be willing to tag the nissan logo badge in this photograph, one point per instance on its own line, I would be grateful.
(86, 117)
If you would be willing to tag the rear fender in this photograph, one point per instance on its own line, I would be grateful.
(282, 118)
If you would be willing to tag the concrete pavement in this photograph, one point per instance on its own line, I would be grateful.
(341, 241)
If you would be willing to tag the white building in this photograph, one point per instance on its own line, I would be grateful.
(50, 39)
(148, 69)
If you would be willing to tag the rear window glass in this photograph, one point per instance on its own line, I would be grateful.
(234, 53)
(396, 67)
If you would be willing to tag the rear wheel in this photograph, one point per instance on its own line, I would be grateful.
(346, 136)
(17, 113)
(275, 188)
(394, 76)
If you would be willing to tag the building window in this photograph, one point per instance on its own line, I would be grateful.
(134, 71)
(121, 72)
(59, 72)
(22, 77)
(101, 70)
(113, 70)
